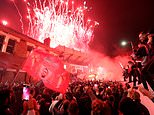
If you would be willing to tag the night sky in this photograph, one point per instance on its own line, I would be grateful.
(118, 20)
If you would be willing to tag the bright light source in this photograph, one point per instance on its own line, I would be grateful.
(65, 67)
(123, 43)
(4, 22)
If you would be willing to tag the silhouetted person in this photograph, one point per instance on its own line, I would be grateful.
(148, 70)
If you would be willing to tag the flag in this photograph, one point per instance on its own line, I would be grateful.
(32, 63)
(48, 68)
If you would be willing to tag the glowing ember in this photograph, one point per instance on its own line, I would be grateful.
(61, 21)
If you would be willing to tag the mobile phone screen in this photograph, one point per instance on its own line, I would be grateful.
(26, 93)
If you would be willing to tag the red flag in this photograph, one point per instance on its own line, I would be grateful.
(32, 63)
(42, 65)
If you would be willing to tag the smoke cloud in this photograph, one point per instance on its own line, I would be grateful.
(111, 68)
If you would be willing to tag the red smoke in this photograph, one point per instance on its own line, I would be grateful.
(111, 65)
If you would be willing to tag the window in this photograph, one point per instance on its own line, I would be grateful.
(2, 37)
(10, 46)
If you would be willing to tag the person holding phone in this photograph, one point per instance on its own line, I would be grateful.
(30, 105)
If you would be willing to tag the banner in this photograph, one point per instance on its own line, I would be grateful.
(48, 68)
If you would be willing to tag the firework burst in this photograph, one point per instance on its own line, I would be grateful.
(60, 21)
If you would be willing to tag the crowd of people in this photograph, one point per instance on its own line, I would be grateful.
(88, 97)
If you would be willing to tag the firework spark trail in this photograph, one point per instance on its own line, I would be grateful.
(59, 20)
(29, 18)
(22, 25)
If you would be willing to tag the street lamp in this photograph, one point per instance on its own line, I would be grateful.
(123, 43)
(4, 22)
